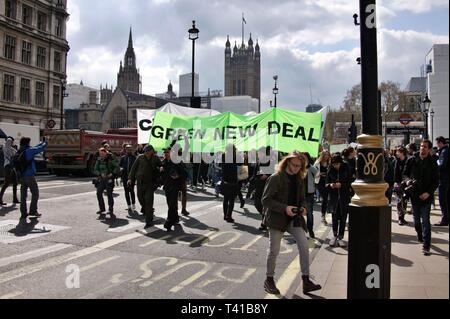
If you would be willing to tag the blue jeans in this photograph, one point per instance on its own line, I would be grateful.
(421, 212)
(217, 177)
(309, 199)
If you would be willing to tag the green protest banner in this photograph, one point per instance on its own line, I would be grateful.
(284, 130)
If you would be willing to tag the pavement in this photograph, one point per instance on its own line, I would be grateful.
(413, 275)
(203, 258)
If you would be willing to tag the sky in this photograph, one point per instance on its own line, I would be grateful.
(312, 45)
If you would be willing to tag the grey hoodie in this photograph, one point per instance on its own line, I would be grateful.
(8, 151)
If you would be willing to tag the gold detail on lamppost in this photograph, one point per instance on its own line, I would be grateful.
(370, 166)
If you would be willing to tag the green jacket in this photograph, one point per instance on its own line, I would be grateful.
(106, 166)
(275, 199)
(145, 171)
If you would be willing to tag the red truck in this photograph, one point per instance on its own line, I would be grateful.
(74, 151)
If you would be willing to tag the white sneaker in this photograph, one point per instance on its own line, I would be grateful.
(133, 207)
(342, 243)
(333, 241)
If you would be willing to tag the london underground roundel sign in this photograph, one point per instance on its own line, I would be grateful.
(405, 119)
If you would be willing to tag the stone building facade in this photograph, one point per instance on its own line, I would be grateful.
(33, 61)
(243, 70)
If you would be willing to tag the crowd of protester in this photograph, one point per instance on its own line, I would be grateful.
(285, 194)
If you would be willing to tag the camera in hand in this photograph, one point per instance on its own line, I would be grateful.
(299, 221)
(409, 186)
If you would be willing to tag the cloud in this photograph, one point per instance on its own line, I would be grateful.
(308, 42)
(417, 6)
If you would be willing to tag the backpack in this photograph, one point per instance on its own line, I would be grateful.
(20, 162)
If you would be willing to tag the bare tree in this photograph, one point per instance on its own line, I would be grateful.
(390, 92)
(352, 101)
(390, 96)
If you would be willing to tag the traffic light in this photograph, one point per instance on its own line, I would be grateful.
(352, 134)
(196, 102)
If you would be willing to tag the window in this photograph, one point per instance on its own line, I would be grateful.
(118, 119)
(26, 52)
(42, 21)
(26, 14)
(10, 48)
(40, 94)
(56, 102)
(85, 115)
(57, 62)
(239, 88)
(134, 114)
(234, 87)
(25, 91)
(8, 88)
(41, 57)
(10, 9)
(130, 61)
(243, 87)
(59, 27)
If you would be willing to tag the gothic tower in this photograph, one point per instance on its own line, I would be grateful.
(243, 70)
(128, 78)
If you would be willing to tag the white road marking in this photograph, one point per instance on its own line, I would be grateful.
(99, 263)
(115, 279)
(245, 247)
(56, 261)
(32, 254)
(62, 185)
(131, 225)
(12, 295)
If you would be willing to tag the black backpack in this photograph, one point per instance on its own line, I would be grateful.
(20, 162)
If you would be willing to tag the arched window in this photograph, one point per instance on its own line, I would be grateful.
(118, 119)
(85, 117)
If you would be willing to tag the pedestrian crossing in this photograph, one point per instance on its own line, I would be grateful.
(98, 256)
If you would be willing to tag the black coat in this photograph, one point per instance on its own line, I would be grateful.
(173, 175)
(426, 173)
(275, 200)
(126, 163)
(399, 169)
(344, 177)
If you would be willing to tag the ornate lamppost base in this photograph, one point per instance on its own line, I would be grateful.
(369, 249)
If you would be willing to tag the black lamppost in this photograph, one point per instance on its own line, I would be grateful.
(128, 107)
(275, 90)
(432, 126)
(193, 35)
(425, 106)
(369, 245)
(63, 95)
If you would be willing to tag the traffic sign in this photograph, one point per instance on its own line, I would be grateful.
(405, 119)
(51, 123)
